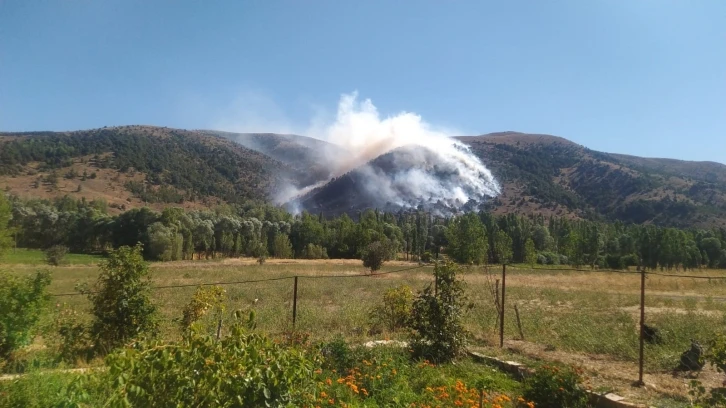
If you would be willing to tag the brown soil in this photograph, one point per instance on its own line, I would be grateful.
(607, 373)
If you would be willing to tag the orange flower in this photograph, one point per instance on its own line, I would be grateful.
(328, 381)
(323, 394)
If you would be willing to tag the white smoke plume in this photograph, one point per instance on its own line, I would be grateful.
(425, 165)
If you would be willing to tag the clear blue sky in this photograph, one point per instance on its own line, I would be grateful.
(645, 77)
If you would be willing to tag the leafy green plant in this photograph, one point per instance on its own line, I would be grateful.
(55, 255)
(556, 387)
(240, 370)
(374, 255)
(122, 307)
(205, 299)
(395, 310)
(716, 356)
(73, 339)
(21, 304)
(436, 317)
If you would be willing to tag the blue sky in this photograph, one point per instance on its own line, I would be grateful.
(645, 77)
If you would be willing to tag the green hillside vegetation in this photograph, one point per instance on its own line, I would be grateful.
(540, 174)
(558, 176)
(178, 165)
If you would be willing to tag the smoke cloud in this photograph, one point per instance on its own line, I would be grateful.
(402, 160)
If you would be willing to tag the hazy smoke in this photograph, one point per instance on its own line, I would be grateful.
(424, 166)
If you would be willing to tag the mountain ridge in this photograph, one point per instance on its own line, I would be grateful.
(539, 174)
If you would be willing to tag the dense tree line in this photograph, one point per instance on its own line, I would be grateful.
(259, 230)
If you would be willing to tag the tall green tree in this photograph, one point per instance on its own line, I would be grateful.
(121, 301)
(530, 253)
(503, 247)
(467, 240)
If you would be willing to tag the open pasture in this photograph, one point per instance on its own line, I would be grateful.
(590, 315)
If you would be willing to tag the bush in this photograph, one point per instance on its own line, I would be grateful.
(541, 259)
(122, 307)
(716, 356)
(556, 387)
(241, 370)
(395, 310)
(439, 335)
(550, 258)
(21, 303)
(55, 255)
(312, 251)
(426, 257)
(74, 340)
(338, 356)
(374, 255)
(205, 299)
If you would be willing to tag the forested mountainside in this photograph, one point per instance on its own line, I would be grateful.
(550, 175)
(133, 166)
(304, 154)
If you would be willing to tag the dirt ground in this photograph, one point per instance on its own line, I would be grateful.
(604, 373)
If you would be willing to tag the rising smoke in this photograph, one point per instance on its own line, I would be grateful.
(403, 160)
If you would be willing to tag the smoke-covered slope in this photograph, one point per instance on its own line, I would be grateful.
(406, 177)
(549, 175)
(304, 154)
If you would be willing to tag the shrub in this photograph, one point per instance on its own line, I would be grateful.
(716, 356)
(338, 356)
(439, 335)
(426, 257)
(121, 304)
(21, 303)
(556, 387)
(395, 310)
(55, 255)
(206, 298)
(550, 258)
(242, 369)
(312, 251)
(374, 255)
(74, 340)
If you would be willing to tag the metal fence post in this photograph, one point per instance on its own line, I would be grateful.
(501, 311)
(642, 325)
(294, 303)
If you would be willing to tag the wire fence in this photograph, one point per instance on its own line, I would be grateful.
(640, 321)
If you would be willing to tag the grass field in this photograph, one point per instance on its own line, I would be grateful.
(22, 256)
(589, 318)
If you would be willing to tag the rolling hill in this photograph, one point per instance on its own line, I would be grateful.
(132, 166)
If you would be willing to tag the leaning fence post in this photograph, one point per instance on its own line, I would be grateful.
(501, 311)
(642, 325)
(294, 303)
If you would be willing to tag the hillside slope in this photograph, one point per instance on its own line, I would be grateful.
(547, 174)
(304, 154)
(540, 174)
(133, 165)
